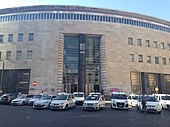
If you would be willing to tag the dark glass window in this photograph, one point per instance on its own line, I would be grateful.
(19, 55)
(155, 44)
(20, 37)
(140, 57)
(148, 59)
(147, 43)
(156, 60)
(8, 55)
(1, 38)
(162, 45)
(130, 41)
(29, 54)
(131, 57)
(139, 42)
(10, 38)
(31, 37)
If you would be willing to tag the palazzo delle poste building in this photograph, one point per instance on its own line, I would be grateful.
(52, 48)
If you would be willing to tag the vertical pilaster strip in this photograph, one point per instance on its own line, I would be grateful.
(60, 62)
(103, 68)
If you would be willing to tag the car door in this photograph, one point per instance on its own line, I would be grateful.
(69, 101)
(102, 101)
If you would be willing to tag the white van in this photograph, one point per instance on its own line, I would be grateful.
(119, 100)
(164, 100)
(79, 98)
(133, 100)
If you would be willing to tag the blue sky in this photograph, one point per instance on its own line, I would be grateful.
(155, 8)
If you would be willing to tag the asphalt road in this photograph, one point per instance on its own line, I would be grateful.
(26, 116)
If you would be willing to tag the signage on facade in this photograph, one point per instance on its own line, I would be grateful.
(34, 83)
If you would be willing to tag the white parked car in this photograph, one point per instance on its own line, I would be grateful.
(33, 99)
(44, 102)
(79, 98)
(133, 100)
(119, 100)
(21, 100)
(152, 104)
(164, 100)
(94, 102)
(62, 101)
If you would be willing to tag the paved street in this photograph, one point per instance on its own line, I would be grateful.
(26, 116)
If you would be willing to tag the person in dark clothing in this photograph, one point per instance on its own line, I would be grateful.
(143, 103)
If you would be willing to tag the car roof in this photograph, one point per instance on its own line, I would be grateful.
(118, 93)
(78, 93)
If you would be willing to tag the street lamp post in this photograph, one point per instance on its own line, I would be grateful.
(2, 75)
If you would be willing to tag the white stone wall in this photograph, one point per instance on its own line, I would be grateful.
(46, 63)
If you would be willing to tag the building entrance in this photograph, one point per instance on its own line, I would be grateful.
(82, 63)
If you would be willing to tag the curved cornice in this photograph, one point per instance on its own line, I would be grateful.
(81, 9)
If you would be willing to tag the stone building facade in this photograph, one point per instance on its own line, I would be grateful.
(74, 48)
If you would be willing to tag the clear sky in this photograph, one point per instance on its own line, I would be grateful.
(155, 8)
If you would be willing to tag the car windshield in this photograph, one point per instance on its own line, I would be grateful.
(134, 97)
(61, 97)
(165, 97)
(92, 98)
(152, 99)
(46, 98)
(78, 95)
(119, 96)
(21, 96)
(36, 96)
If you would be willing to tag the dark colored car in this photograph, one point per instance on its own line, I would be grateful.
(7, 98)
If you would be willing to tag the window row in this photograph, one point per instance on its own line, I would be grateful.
(20, 37)
(147, 43)
(148, 59)
(72, 16)
(19, 55)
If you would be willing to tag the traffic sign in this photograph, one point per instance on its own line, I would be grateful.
(34, 83)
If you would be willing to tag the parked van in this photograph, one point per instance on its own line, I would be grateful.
(133, 100)
(119, 100)
(79, 98)
(164, 100)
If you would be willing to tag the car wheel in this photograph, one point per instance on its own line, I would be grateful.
(112, 108)
(23, 103)
(66, 107)
(162, 107)
(74, 106)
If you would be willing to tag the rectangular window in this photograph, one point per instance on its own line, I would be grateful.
(131, 57)
(156, 60)
(164, 61)
(8, 55)
(10, 38)
(155, 44)
(162, 45)
(19, 55)
(31, 37)
(1, 38)
(29, 54)
(168, 46)
(0, 55)
(139, 42)
(130, 41)
(147, 43)
(140, 57)
(20, 37)
(148, 59)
